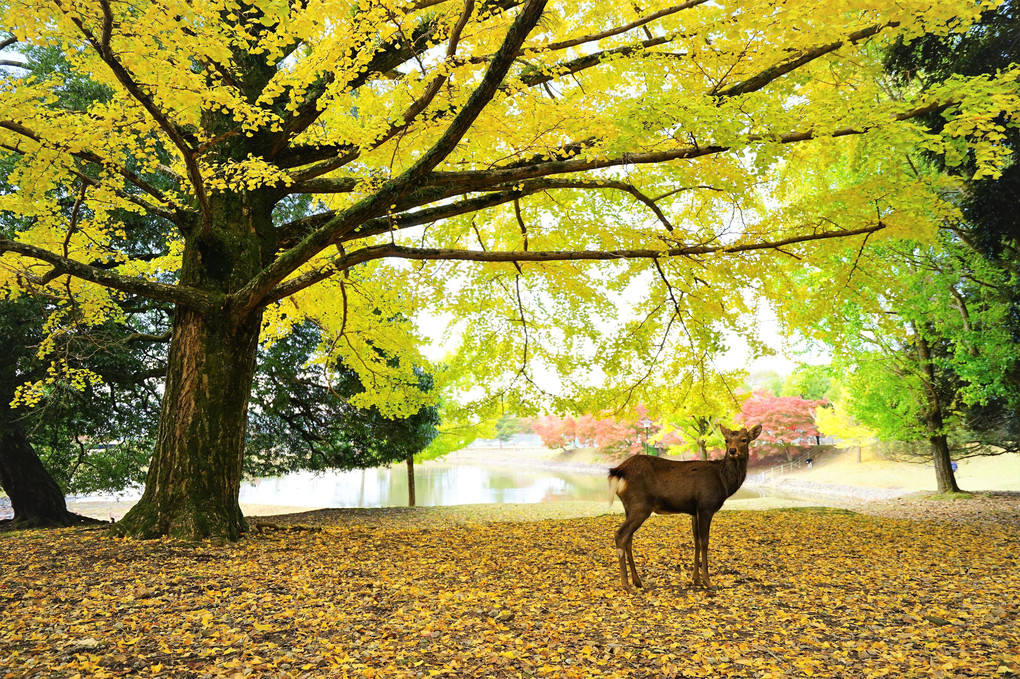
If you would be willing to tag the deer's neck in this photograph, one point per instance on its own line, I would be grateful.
(734, 472)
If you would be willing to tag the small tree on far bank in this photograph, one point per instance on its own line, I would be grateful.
(305, 416)
(508, 426)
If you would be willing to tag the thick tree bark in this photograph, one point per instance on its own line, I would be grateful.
(36, 498)
(410, 482)
(195, 475)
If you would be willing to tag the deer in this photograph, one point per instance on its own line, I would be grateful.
(647, 484)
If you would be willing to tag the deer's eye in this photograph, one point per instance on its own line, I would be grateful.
(743, 440)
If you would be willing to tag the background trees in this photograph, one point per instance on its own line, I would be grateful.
(80, 436)
(926, 334)
(304, 415)
(524, 139)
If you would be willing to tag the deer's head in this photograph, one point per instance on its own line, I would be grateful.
(738, 441)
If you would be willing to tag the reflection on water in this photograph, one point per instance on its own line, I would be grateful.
(435, 484)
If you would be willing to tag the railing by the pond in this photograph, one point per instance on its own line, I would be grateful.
(773, 472)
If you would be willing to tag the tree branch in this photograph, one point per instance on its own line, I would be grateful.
(625, 28)
(102, 46)
(391, 250)
(345, 154)
(386, 58)
(251, 295)
(477, 180)
(178, 294)
(793, 63)
(90, 157)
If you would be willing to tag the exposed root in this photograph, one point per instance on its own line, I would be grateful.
(36, 522)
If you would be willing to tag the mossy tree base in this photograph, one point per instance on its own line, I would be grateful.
(186, 521)
(952, 495)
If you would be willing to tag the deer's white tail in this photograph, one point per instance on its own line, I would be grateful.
(616, 486)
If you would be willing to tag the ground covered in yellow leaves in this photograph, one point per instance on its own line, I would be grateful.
(797, 593)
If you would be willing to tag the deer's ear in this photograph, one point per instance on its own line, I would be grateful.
(725, 432)
(755, 430)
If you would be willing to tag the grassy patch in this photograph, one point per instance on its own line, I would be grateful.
(960, 495)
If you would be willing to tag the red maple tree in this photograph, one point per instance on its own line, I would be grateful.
(786, 421)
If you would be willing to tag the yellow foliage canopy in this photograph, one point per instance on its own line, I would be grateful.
(675, 140)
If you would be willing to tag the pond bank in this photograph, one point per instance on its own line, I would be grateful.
(877, 487)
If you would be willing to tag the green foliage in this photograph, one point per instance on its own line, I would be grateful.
(508, 426)
(301, 415)
(95, 436)
(947, 294)
(811, 382)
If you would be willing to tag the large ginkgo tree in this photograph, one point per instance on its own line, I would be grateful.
(359, 162)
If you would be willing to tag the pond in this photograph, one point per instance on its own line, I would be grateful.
(436, 484)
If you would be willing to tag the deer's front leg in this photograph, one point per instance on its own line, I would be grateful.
(704, 526)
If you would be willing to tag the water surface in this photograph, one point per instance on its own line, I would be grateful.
(436, 484)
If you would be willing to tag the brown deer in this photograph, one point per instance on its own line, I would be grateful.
(651, 484)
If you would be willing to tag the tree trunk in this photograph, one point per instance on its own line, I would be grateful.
(702, 449)
(195, 475)
(934, 422)
(410, 482)
(943, 465)
(36, 498)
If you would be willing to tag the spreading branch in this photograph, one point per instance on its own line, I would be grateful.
(102, 47)
(96, 159)
(637, 23)
(249, 297)
(394, 251)
(178, 294)
(791, 64)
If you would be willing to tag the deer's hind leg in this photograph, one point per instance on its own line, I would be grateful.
(695, 532)
(630, 560)
(624, 547)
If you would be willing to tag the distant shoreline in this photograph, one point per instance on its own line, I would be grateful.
(838, 481)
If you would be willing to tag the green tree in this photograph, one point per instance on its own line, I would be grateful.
(508, 426)
(931, 352)
(302, 415)
(807, 381)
